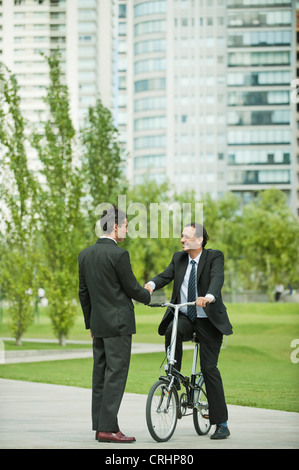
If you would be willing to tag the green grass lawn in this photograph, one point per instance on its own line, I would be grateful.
(255, 361)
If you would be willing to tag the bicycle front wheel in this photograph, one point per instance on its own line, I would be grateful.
(201, 409)
(162, 411)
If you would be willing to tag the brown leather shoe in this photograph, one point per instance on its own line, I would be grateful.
(114, 437)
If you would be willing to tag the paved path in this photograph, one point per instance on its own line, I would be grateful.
(41, 416)
(15, 356)
(58, 417)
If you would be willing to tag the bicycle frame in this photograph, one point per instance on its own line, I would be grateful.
(171, 371)
(164, 406)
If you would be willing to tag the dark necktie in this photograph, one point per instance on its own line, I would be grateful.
(191, 309)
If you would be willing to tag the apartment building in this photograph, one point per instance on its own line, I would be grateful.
(204, 94)
(200, 89)
(261, 137)
(83, 31)
(172, 92)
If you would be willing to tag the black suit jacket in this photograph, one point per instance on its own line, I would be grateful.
(210, 278)
(106, 286)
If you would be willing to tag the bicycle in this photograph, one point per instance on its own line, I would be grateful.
(163, 406)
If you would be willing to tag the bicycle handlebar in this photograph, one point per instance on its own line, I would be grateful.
(168, 304)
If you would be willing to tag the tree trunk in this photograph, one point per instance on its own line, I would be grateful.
(62, 339)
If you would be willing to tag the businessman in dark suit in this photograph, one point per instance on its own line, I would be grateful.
(106, 286)
(198, 274)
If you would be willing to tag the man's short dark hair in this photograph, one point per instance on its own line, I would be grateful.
(110, 217)
(200, 231)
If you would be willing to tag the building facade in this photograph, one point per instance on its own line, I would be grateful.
(200, 89)
(204, 94)
(172, 92)
(83, 31)
(261, 143)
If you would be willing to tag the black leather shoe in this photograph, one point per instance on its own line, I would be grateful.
(221, 432)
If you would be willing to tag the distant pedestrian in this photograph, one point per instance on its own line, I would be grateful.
(279, 288)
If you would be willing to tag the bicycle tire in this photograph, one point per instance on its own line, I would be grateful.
(201, 419)
(162, 420)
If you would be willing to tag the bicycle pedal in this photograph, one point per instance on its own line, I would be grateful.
(206, 416)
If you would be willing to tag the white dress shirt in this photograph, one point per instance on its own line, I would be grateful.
(184, 289)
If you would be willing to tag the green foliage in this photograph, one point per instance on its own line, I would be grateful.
(101, 164)
(18, 205)
(59, 198)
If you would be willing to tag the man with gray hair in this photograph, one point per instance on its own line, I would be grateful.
(198, 275)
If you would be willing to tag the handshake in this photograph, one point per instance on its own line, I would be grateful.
(149, 288)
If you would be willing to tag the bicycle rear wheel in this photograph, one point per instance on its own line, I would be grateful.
(162, 411)
(201, 419)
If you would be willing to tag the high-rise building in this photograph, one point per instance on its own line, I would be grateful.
(261, 143)
(204, 94)
(200, 89)
(83, 31)
(172, 92)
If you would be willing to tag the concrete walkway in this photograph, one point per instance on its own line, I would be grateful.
(38, 355)
(41, 416)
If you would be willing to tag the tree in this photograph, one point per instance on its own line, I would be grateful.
(18, 210)
(101, 168)
(270, 241)
(59, 199)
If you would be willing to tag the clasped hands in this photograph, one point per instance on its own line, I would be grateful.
(149, 288)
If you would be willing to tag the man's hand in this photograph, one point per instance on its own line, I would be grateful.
(202, 301)
(149, 288)
(91, 335)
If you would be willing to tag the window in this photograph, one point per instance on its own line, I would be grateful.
(258, 157)
(122, 10)
(149, 8)
(259, 136)
(150, 141)
(279, 77)
(145, 104)
(259, 38)
(148, 27)
(153, 122)
(258, 18)
(259, 118)
(150, 65)
(153, 45)
(248, 59)
(259, 177)
(149, 161)
(253, 98)
(150, 84)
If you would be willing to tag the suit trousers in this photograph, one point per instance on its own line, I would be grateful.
(110, 371)
(210, 340)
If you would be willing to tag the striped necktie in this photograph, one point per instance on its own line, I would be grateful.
(191, 309)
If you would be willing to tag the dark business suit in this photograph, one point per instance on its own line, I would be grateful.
(210, 330)
(106, 286)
